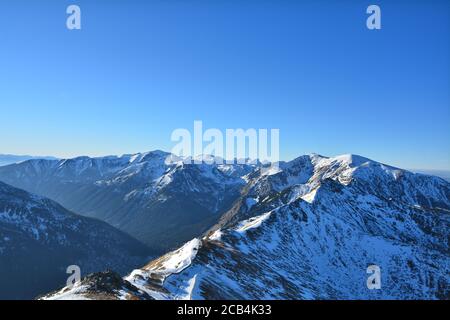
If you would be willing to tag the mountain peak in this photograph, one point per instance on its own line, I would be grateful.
(353, 159)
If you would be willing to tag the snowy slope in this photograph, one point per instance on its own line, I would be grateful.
(39, 239)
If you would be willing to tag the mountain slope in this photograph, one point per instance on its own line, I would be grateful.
(161, 203)
(309, 231)
(39, 239)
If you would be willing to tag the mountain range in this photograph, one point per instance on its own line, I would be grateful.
(6, 159)
(308, 229)
(159, 202)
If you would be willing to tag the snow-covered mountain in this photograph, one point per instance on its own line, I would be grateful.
(309, 230)
(39, 239)
(6, 159)
(159, 202)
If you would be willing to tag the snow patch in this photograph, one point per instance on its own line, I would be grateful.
(252, 223)
(180, 259)
(173, 262)
(309, 197)
(272, 170)
(76, 293)
(189, 289)
(216, 236)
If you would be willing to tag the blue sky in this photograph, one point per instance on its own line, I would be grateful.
(140, 69)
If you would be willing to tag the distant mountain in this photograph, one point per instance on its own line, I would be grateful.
(160, 203)
(39, 239)
(438, 173)
(6, 159)
(309, 231)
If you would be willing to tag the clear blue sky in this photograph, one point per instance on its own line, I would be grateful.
(140, 69)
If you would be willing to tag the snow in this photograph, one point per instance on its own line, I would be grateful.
(216, 236)
(189, 289)
(75, 293)
(122, 295)
(252, 223)
(173, 262)
(164, 180)
(134, 157)
(270, 171)
(351, 159)
(161, 269)
(309, 197)
(181, 258)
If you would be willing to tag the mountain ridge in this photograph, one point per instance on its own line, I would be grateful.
(309, 231)
(7, 159)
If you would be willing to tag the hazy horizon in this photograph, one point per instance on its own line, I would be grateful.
(438, 172)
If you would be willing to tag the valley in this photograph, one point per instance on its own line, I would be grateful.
(160, 203)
